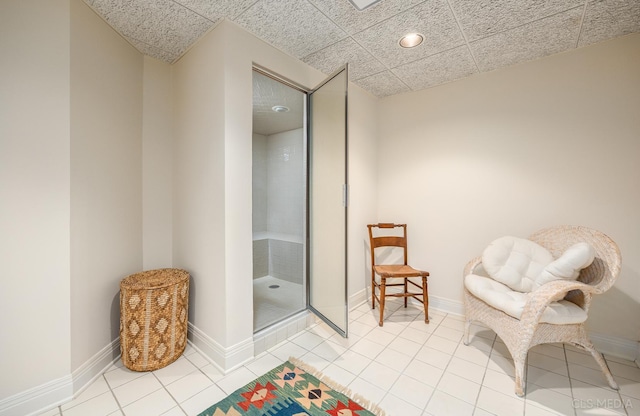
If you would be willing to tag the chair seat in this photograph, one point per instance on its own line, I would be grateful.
(398, 270)
(512, 302)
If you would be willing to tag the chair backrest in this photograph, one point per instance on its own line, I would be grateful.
(387, 240)
(604, 270)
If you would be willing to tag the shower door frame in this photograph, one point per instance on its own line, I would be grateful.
(342, 330)
(342, 189)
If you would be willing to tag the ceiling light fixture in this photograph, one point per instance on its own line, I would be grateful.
(280, 108)
(411, 40)
(363, 4)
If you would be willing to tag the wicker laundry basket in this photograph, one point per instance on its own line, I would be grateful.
(153, 318)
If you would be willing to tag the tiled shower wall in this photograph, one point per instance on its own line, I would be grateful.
(286, 260)
(278, 205)
(260, 258)
(285, 183)
(278, 258)
(259, 183)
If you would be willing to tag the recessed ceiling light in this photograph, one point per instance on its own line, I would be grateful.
(411, 40)
(280, 108)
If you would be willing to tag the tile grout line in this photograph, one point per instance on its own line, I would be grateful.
(484, 374)
(168, 392)
(619, 392)
(113, 393)
(444, 370)
(388, 392)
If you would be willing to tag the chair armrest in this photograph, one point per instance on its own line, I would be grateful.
(471, 265)
(540, 298)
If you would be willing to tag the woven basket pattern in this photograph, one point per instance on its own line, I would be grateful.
(153, 318)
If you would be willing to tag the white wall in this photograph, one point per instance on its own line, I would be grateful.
(199, 182)
(71, 196)
(212, 192)
(363, 188)
(106, 178)
(157, 166)
(554, 141)
(34, 194)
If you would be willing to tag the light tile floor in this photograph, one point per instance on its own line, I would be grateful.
(407, 367)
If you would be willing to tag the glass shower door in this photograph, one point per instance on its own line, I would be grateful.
(328, 197)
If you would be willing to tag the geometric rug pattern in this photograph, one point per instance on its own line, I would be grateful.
(292, 389)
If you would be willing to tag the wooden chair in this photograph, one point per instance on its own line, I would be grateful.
(394, 271)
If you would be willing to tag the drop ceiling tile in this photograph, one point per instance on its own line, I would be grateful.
(170, 26)
(143, 15)
(437, 69)
(433, 19)
(124, 16)
(499, 32)
(352, 21)
(532, 41)
(606, 19)
(480, 18)
(383, 84)
(104, 7)
(215, 10)
(329, 59)
(154, 52)
(294, 26)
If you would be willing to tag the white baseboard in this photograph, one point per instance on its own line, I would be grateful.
(435, 302)
(358, 298)
(224, 359)
(606, 344)
(40, 398)
(616, 347)
(88, 372)
(56, 392)
(446, 305)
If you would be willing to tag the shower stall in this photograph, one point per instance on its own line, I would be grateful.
(279, 201)
(300, 199)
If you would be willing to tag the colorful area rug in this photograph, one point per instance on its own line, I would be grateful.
(293, 389)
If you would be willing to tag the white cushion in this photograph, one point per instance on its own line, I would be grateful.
(512, 302)
(515, 262)
(567, 266)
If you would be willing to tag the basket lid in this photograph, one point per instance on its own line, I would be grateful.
(152, 279)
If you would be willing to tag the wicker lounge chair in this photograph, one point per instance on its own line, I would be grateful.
(530, 330)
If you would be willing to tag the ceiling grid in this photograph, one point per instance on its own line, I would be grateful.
(462, 37)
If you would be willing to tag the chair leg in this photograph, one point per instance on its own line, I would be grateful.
(405, 291)
(603, 365)
(373, 291)
(520, 362)
(382, 298)
(425, 299)
(467, 330)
